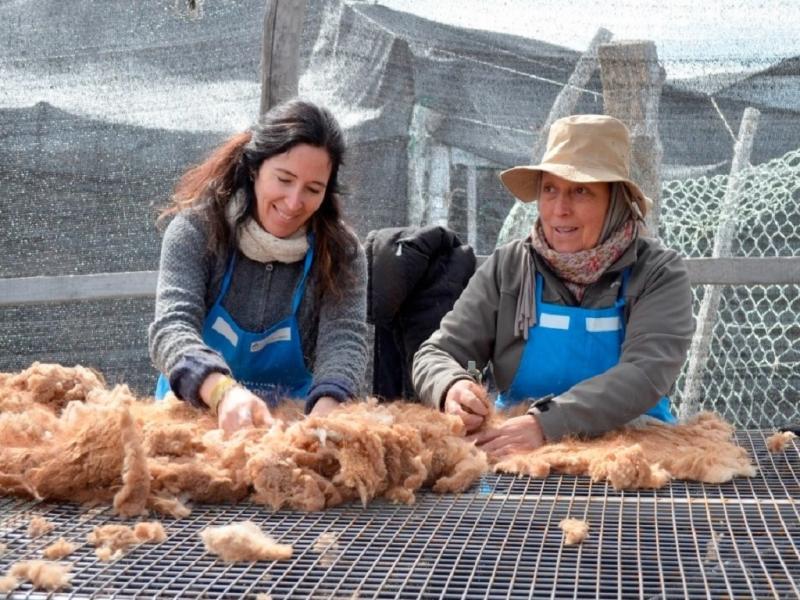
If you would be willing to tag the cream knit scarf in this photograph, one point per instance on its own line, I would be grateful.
(258, 244)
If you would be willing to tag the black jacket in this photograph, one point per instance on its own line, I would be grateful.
(415, 277)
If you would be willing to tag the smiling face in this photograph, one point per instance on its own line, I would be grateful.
(290, 187)
(572, 213)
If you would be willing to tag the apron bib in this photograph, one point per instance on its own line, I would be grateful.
(569, 344)
(269, 363)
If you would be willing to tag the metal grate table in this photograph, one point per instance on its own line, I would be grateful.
(500, 539)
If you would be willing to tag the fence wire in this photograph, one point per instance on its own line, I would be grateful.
(751, 376)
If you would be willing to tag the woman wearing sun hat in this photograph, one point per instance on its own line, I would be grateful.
(586, 321)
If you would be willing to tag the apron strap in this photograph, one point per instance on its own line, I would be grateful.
(301, 285)
(539, 286)
(626, 275)
(226, 279)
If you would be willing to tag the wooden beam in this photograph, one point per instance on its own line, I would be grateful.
(784, 270)
(472, 206)
(439, 192)
(98, 286)
(280, 51)
(632, 82)
(142, 284)
(723, 240)
(567, 99)
(521, 215)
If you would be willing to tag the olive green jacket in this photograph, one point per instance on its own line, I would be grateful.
(658, 331)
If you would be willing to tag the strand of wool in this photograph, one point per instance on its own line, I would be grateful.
(149, 532)
(112, 541)
(114, 537)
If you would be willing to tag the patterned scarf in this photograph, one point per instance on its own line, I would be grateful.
(623, 222)
(579, 269)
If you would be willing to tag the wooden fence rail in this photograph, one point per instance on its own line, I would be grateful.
(142, 284)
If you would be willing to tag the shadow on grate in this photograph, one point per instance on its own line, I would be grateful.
(498, 540)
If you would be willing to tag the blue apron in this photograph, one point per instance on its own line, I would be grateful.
(569, 344)
(269, 363)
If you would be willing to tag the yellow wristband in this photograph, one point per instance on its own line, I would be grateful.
(218, 392)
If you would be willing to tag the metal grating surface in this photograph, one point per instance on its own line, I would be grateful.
(498, 540)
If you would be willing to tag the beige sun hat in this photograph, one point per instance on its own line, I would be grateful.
(584, 148)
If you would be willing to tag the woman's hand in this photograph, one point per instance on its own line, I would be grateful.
(518, 434)
(240, 408)
(324, 406)
(468, 401)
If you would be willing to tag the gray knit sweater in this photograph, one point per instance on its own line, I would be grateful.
(332, 332)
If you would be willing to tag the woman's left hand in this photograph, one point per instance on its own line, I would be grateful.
(324, 406)
(518, 434)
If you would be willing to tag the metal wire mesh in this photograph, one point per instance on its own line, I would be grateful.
(107, 335)
(767, 214)
(751, 375)
(500, 539)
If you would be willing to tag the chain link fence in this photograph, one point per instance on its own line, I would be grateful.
(752, 375)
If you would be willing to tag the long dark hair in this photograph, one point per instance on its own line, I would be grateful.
(209, 186)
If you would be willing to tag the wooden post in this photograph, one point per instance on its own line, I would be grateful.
(723, 240)
(569, 95)
(439, 186)
(521, 216)
(428, 171)
(280, 53)
(632, 82)
(472, 206)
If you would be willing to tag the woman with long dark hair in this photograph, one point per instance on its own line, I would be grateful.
(262, 287)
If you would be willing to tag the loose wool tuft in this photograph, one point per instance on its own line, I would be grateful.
(777, 442)
(43, 575)
(8, 583)
(113, 540)
(243, 542)
(58, 549)
(39, 526)
(575, 531)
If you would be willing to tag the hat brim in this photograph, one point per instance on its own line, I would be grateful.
(523, 181)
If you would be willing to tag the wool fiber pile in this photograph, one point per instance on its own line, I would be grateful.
(646, 456)
(65, 436)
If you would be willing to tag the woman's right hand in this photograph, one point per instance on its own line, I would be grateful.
(468, 401)
(241, 408)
